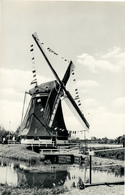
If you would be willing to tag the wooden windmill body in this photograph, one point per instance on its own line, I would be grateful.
(44, 124)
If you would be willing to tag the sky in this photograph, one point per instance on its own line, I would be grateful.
(91, 34)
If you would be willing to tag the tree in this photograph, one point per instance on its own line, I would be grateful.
(17, 131)
(3, 132)
(104, 140)
(119, 140)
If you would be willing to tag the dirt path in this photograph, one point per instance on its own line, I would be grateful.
(98, 190)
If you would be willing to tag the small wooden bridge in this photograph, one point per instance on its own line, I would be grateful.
(63, 156)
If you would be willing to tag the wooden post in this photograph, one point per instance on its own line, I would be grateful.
(90, 169)
(91, 153)
(57, 159)
(32, 146)
(85, 175)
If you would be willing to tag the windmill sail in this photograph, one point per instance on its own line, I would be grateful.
(60, 93)
(61, 83)
(55, 106)
(68, 73)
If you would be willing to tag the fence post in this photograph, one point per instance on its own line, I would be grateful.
(91, 153)
(90, 169)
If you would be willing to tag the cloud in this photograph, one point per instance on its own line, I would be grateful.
(112, 61)
(18, 79)
(104, 123)
(10, 112)
(90, 103)
(112, 53)
(13, 84)
(119, 105)
(109, 124)
(11, 94)
(87, 83)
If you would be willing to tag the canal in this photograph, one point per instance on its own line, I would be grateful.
(17, 173)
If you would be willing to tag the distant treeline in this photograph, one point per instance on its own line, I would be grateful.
(5, 133)
(104, 140)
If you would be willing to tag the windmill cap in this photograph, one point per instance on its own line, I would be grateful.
(44, 88)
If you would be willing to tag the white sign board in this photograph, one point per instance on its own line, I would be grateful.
(91, 153)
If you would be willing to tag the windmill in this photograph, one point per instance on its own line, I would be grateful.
(44, 123)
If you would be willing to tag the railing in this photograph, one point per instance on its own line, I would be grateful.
(56, 151)
(108, 149)
(12, 142)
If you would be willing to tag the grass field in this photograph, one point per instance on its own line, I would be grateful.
(19, 152)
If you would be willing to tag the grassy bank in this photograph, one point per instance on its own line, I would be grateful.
(8, 190)
(99, 190)
(111, 154)
(19, 152)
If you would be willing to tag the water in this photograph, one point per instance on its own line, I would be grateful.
(17, 173)
(96, 145)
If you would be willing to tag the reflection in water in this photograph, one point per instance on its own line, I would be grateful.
(7, 173)
(47, 176)
(46, 180)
